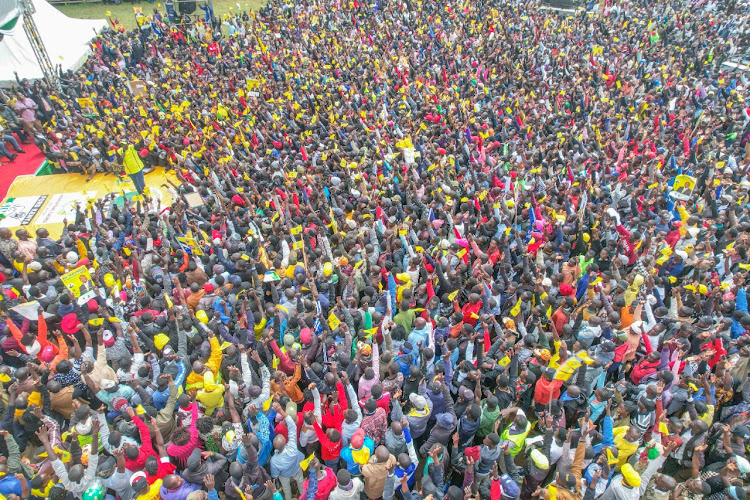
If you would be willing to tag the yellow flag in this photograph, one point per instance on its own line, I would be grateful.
(370, 332)
(267, 404)
(516, 309)
(333, 321)
(306, 462)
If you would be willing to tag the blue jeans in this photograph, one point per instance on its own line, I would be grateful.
(4, 152)
(333, 465)
(12, 140)
(138, 181)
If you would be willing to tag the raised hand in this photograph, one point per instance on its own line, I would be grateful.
(209, 482)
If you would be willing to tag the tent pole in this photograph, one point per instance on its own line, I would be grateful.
(37, 45)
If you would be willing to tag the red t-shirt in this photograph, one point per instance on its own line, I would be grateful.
(165, 468)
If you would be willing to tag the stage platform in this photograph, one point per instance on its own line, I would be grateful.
(34, 201)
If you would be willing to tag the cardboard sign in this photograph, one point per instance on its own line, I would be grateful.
(194, 200)
(683, 187)
(87, 106)
(409, 155)
(29, 311)
(190, 245)
(253, 87)
(78, 281)
(138, 88)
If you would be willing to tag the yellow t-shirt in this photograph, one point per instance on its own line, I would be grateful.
(211, 399)
(194, 381)
(625, 449)
(152, 493)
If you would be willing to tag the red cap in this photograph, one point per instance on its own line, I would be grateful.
(304, 335)
(48, 354)
(473, 452)
(358, 439)
(208, 288)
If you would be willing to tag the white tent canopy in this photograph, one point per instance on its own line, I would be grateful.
(66, 39)
(9, 10)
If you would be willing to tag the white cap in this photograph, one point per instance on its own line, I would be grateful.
(107, 384)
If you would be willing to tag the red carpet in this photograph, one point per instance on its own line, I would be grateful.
(26, 164)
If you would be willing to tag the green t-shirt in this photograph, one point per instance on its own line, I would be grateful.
(405, 319)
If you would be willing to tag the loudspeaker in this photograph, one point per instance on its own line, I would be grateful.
(187, 7)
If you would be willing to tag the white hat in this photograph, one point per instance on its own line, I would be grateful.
(742, 464)
(72, 257)
(84, 427)
(35, 266)
(417, 401)
(138, 475)
(107, 384)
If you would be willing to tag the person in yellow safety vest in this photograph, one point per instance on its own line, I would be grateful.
(289, 344)
(133, 164)
(516, 432)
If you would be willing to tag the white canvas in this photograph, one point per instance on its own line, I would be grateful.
(66, 39)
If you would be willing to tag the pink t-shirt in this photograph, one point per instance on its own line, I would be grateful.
(26, 107)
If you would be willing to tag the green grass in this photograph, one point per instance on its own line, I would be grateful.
(124, 11)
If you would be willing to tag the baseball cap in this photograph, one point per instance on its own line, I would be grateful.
(358, 439)
(108, 338)
(741, 431)
(108, 385)
(567, 480)
(509, 487)
(419, 402)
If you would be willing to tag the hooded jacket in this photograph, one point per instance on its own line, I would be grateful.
(375, 474)
(131, 161)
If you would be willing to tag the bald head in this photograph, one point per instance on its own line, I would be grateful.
(279, 442)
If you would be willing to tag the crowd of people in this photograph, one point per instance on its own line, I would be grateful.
(414, 250)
